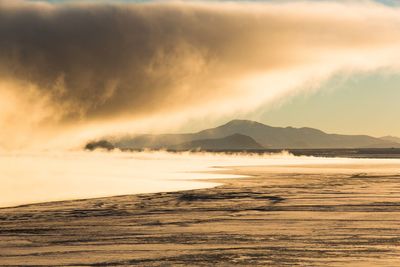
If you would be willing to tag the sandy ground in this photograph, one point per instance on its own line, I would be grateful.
(270, 219)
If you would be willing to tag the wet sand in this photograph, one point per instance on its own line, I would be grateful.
(276, 218)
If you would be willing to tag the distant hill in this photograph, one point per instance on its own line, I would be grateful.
(391, 138)
(263, 135)
(231, 142)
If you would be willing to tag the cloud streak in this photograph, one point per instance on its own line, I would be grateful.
(76, 67)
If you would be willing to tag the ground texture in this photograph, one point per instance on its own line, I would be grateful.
(266, 220)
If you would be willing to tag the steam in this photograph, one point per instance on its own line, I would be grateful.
(53, 176)
(78, 70)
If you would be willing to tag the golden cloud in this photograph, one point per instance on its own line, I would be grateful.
(95, 68)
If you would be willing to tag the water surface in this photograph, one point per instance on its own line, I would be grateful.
(51, 176)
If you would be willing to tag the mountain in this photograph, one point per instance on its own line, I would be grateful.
(231, 142)
(264, 135)
(391, 138)
(289, 137)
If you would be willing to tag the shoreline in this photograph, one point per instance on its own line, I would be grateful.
(242, 172)
(43, 177)
(217, 170)
(273, 219)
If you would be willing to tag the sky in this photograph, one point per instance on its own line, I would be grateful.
(362, 104)
(79, 70)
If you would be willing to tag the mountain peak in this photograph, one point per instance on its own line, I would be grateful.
(238, 121)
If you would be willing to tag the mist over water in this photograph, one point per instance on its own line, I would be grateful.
(52, 176)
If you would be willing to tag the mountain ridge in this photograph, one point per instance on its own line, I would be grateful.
(391, 138)
(266, 136)
(230, 142)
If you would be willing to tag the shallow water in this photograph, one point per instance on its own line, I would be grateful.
(41, 177)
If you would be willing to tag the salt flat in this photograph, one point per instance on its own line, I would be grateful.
(281, 216)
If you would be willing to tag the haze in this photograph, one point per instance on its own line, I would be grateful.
(28, 178)
(71, 71)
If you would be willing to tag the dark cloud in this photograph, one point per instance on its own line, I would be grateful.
(102, 61)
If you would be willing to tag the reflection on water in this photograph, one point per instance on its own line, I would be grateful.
(40, 177)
